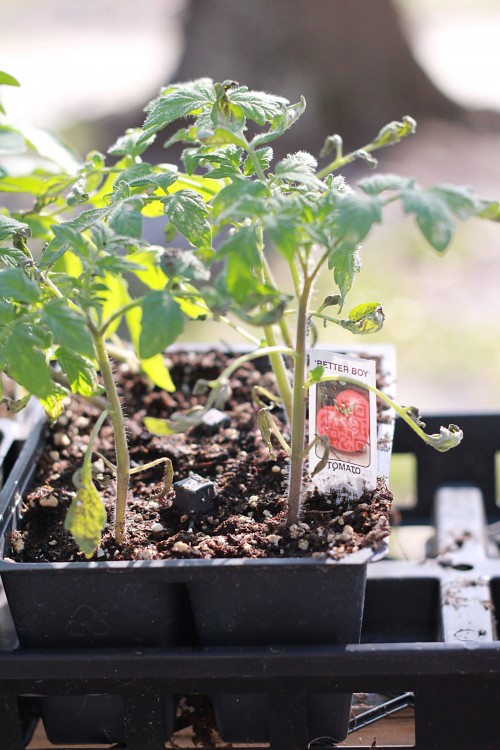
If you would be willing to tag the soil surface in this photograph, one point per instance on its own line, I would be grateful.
(247, 517)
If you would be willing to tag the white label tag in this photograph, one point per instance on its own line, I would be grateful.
(346, 413)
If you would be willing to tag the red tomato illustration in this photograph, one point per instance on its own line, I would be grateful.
(347, 422)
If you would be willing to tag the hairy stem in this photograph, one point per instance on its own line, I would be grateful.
(299, 408)
(121, 447)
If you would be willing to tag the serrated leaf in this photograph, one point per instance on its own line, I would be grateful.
(288, 117)
(264, 157)
(257, 105)
(128, 145)
(355, 216)
(345, 262)
(240, 200)
(126, 218)
(26, 361)
(460, 200)
(79, 370)
(433, 216)
(241, 251)
(379, 183)
(173, 105)
(162, 180)
(86, 516)
(15, 285)
(222, 162)
(188, 212)
(299, 167)
(162, 323)
(10, 227)
(68, 327)
(10, 256)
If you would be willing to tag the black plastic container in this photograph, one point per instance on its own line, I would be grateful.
(280, 603)
(163, 604)
(85, 605)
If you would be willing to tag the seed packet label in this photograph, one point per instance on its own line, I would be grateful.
(343, 411)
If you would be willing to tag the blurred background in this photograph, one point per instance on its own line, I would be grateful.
(88, 67)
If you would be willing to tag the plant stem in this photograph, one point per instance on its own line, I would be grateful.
(121, 447)
(280, 372)
(299, 408)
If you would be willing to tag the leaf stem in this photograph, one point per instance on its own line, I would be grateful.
(121, 447)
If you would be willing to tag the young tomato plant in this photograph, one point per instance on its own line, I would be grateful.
(74, 266)
(306, 213)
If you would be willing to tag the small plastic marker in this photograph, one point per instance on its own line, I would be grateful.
(194, 493)
(214, 420)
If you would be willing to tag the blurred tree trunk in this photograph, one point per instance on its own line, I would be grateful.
(350, 59)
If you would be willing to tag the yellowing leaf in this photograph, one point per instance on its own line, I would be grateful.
(156, 369)
(86, 517)
(153, 276)
(115, 296)
(158, 426)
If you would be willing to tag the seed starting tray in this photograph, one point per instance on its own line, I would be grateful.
(429, 633)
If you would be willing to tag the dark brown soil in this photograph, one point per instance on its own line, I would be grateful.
(249, 510)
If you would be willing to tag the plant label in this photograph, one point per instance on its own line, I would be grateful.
(342, 423)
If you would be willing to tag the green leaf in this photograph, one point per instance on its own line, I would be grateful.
(86, 516)
(222, 162)
(129, 145)
(264, 157)
(354, 217)
(79, 370)
(241, 251)
(283, 223)
(10, 256)
(68, 327)
(11, 227)
(7, 313)
(8, 80)
(68, 235)
(162, 180)
(174, 104)
(433, 215)
(26, 362)
(460, 200)
(299, 167)
(15, 285)
(126, 218)
(378, 183)
(162, 323)
(183, 263)
(157, 371)
(240, 200)
(257, 105)
(53, 403)
(287, 118)
(365, 318)
(187, 211)
(395, 131)
(345, 263)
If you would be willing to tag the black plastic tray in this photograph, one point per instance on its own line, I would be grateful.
(429, 629)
